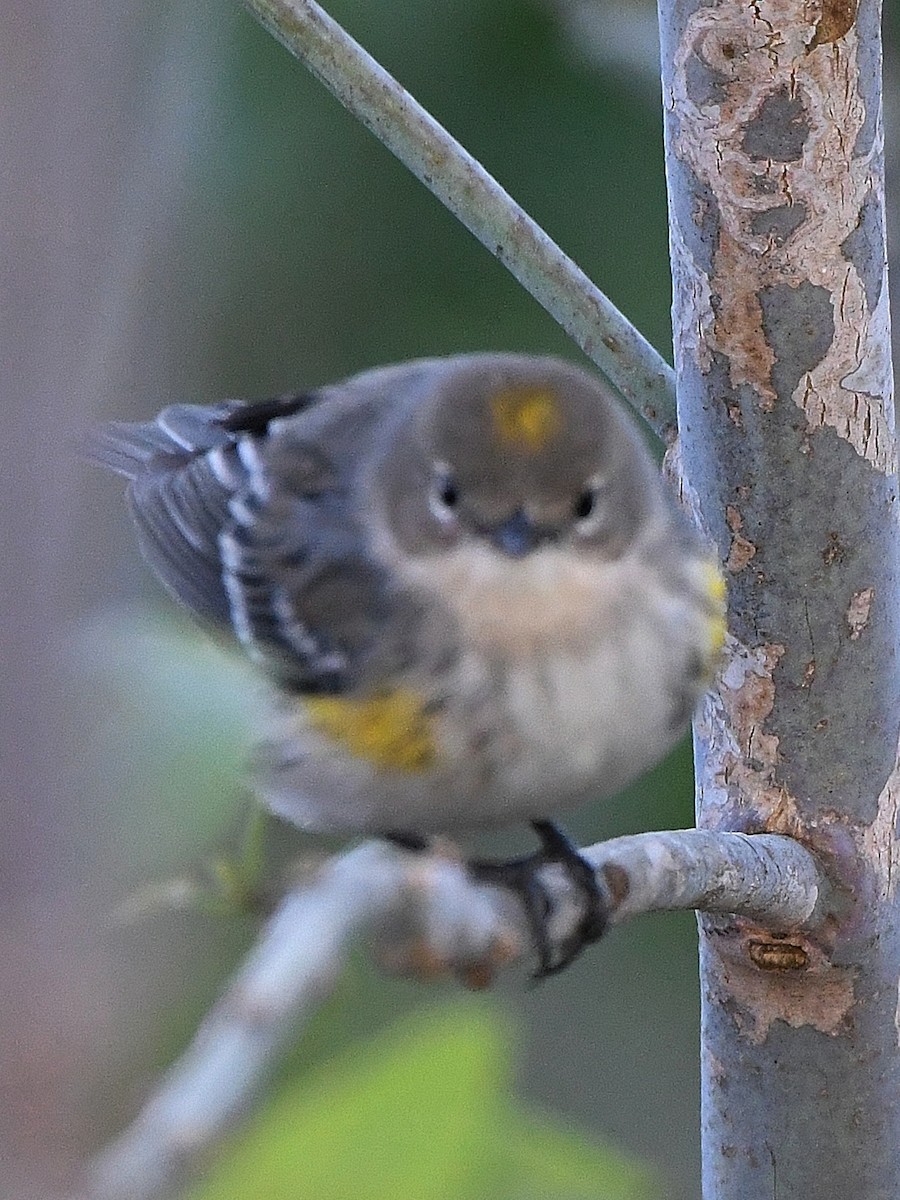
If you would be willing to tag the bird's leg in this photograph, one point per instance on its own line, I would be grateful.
(521, 876)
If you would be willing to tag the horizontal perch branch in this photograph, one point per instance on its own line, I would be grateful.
(426, 914)
(376, 99)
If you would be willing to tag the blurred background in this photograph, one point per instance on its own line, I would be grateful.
(187, 215)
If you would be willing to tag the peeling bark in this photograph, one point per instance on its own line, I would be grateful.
(774, 127)
(774, 160)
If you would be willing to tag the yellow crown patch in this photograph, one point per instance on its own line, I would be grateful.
(526, 417)
(389, 731)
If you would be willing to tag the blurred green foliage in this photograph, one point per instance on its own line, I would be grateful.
(425, 1111)
(339, 259)
(172, 728)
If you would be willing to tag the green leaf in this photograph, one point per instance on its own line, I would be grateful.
(423, 1113)
(557, 1162)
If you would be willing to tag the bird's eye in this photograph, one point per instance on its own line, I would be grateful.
(586, 507)
(444, 499)
(448, 493)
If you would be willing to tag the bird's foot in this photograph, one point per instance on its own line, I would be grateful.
(521, 876)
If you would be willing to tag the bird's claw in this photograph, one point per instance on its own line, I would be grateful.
(521, 875)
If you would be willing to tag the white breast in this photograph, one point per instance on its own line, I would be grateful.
(567, 688)
(561, 690)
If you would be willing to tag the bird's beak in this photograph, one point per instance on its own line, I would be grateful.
(517, 535)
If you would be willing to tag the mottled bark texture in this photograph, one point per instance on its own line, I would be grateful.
(774, 158)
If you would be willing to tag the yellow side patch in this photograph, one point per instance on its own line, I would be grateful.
(715, 583)
(526, 417)
(716, 590)
(389, 731)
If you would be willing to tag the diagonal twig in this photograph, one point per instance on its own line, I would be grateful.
(627, 359)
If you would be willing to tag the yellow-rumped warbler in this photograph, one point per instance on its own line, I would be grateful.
(476, 597)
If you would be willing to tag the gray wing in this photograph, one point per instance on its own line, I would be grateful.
(248, 525)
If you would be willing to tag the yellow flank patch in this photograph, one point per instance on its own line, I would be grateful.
(388, 731)
(526, 417)
(715, 583)
(716, 590)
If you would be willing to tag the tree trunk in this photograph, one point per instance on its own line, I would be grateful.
(782, 337)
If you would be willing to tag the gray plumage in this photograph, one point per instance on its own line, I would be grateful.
(245, 512)
(484, 534)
